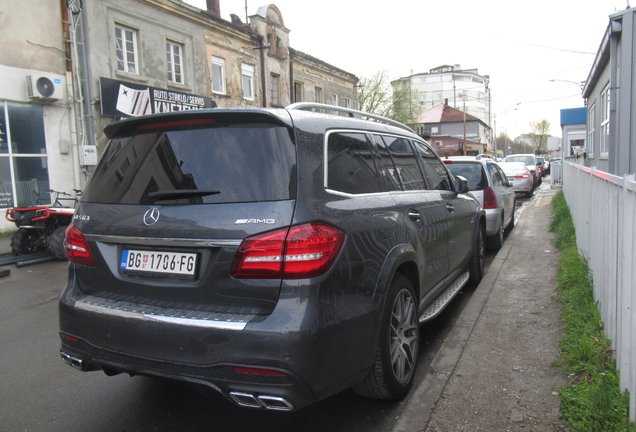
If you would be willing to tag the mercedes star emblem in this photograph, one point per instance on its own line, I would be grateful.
(151, 216)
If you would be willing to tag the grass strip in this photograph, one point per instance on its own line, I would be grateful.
(592, 402)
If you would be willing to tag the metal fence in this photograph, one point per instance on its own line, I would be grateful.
(556, 174)
(603, 208)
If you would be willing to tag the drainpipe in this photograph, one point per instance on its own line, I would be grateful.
(84, 82)
(262, 49)
(292, 97)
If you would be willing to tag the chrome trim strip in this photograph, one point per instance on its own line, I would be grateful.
(129, 311)
(158, 241)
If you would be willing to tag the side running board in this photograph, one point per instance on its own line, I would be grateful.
(440, 303)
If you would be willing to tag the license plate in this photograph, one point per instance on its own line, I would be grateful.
(175, 263)
(511, 179)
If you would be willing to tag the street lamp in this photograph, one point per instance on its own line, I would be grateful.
(505, 149)
(581, 85)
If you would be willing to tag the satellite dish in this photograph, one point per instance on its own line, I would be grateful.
(45, 86)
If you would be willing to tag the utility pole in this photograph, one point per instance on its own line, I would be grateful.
(465, 125)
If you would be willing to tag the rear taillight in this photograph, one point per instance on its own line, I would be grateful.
(298, 252)
(257, 371)
(69, 338)
(77, 247)
(10, 215)
(490, 200)
(522, 176)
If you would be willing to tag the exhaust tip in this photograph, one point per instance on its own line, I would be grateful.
(245, 399)
(72, 361)
(273, 403)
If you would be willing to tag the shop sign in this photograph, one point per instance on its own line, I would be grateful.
(126, 99)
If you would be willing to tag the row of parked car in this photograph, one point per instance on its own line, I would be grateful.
(275, 256)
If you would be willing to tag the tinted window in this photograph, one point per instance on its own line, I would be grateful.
(494, 174)
(244, 164)
(387, 169)
(473, 172)
(408, 171)
(434, 170)
(528, 160)
(350, 165)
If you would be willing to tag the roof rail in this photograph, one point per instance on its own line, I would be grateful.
(309, 106)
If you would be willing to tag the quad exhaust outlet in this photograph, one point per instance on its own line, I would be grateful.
(274, 403)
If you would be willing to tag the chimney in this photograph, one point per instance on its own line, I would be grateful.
(214, 7)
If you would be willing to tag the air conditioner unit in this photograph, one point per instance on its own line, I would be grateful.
(44, 87)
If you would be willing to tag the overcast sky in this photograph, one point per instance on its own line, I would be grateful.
(520, 45)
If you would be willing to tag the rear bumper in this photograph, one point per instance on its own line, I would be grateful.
(312, 353)
(493, 221)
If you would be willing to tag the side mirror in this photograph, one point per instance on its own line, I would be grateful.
(461, 185)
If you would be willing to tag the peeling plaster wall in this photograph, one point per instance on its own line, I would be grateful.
(235, 48)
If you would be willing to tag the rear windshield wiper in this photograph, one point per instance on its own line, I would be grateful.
(181, 193)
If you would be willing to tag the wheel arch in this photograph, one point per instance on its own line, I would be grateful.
(401, 259)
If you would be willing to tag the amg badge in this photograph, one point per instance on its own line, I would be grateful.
(255, 221)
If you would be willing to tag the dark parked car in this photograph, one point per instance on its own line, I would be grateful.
(276, 256)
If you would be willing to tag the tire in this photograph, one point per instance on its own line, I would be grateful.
(26, 241)
(511, 225)
(495, 242)
(391, 376)
(476, 266)
(56, 243)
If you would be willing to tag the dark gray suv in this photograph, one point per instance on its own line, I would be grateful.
(275, 256)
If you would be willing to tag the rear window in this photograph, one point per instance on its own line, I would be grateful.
(473, 172)
(197, 166)
(528, 160)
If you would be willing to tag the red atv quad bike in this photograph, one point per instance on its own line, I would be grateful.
(42, 227)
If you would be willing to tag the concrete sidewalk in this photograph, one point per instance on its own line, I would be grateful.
(494, 371)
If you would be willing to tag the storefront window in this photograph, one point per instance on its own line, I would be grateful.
(24, 174)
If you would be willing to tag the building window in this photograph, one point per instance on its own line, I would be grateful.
(126, 47)
(423, 98)
(174, 57)
(275, 90)
(218, 75)
(347, 102)
(605, 126)
(318, 94)
(247, 80)
(24, 174)
(334, 99)
(298, 92)
(590, 129)
(438, 96)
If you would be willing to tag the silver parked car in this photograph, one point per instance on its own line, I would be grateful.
(530, 160)
(488, 183)
(519, 176)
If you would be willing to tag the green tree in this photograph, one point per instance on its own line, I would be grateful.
(539, 135)
(395, 100)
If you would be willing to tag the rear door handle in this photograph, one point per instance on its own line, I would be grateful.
(414, 215)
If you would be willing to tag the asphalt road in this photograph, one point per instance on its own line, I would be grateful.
(41, 393)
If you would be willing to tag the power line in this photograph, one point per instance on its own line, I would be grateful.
(542, 46)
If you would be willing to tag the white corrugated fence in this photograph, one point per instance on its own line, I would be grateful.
(603, 208)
